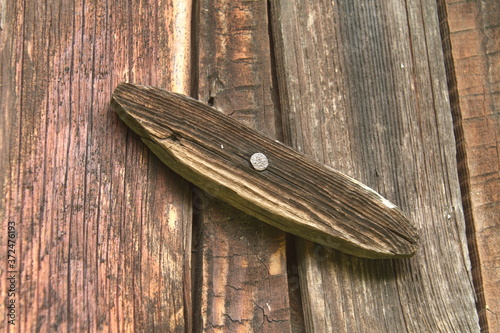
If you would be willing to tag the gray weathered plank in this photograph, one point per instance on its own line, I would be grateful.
(363, 89)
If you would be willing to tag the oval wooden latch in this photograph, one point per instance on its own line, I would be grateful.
(264, 178)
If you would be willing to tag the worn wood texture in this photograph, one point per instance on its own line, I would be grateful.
(471, 39)
(243, 284)
(103, 227)
(363, 88)
(293, 193)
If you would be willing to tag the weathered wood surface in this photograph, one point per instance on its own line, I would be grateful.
(293, 192)
(363, 88)
(472, 44)
(103, 227)
(91, 204)
(241, 261)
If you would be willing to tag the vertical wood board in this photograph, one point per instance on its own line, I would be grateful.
(363, 88)
(103, 227)
(243, 284)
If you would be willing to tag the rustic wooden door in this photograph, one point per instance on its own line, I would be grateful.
(99, 235)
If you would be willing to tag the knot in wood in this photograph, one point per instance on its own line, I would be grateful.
(259, 161)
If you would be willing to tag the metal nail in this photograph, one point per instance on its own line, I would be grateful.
(259, 161)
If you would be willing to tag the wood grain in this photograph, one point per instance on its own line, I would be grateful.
(294, 193)
(363, 88)
(242, 261)
(471, 37)
(103, 227)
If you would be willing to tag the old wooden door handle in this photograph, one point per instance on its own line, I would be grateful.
(262, 177)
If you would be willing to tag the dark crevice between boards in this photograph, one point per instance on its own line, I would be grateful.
(275, 94)
(195, 54)
(463, 170)
(194, 322)
(294, 293)
(292, 268)
(197, 200)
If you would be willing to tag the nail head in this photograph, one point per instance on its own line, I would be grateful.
(259, 161)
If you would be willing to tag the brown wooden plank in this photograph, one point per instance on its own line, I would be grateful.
(363, 89)
(471, 37)
(290, 191)
(103, 228)
(241, 261)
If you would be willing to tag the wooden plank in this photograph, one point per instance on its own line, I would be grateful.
(103, 228)
(283, 188)
(470, 38)
(241, 261)
(363, 89)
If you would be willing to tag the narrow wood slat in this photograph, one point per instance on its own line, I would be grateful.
(294, 193)
(103, 227)
(363, 89)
